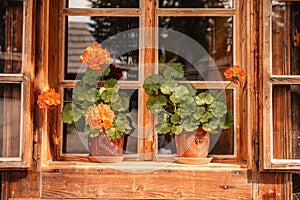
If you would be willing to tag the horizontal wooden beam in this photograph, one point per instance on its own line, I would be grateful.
(11, 78)
(285, 80)
(102, 12)
(196, 11)
(163, 183)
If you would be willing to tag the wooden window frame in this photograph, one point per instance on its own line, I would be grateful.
(148, 56)
(269, 162)
(25, 80)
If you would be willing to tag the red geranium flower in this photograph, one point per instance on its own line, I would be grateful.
(95, 57)
(48, 99)
(235, 73)
(100, 116)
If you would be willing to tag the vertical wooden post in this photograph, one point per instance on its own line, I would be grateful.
(27, 183)
(147, 137)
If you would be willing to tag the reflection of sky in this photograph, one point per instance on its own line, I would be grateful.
(79, 4)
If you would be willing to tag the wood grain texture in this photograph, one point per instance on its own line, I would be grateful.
(147, 137)
(159, 184)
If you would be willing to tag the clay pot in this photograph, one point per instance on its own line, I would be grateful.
(102, 145)
(193, 144)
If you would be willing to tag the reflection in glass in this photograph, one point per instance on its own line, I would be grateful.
(220, 144)
(202, 45)
(113, 33)
(11, 36)
(10, 109)
(75, 140)
(296, 186)
(103, 4)
(195, 3)
(286, 122)
(285, 38)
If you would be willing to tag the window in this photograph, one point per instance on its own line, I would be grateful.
(142, 36)
(15, 119)
(281, 86)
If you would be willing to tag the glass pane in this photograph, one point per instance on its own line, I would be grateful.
(103, 4)
(286, 122)
(10, 100)
(286, 38)
(202, 45)
(221, 143)
(296, 186)
(118, 34)
(75, 140)
(11, 36)
(195, 3)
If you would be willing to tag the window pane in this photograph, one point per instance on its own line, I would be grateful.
(102, 4)
(296, 186)
(195, 3)
(75, 140)
(286, 122)
(114, 33)
(11, 33)
(10, 107)
(202, 45)
(286, 38)
(221, 143)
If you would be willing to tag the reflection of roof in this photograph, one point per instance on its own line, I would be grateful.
(79, 37)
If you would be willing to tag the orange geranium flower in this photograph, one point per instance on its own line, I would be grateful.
(235, 73)
(95, 57)
(100, 116)
(48, 99)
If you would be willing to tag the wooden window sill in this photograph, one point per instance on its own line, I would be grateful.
(149, 180)
(140, 166)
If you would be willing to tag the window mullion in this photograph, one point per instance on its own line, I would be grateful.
(148, 22)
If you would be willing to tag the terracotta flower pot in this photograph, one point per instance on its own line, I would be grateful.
(104, 149)
(193, 144)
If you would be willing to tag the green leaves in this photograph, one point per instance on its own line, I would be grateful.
(155, 103)
(121, 104)
(174, 71)
(119, 127)
(181, 106)
(152, 83)
(71, 113)
(204, 98)
(167, 87)
(218, 109)
(86, 94)
(111, 83)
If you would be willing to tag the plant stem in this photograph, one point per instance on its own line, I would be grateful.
(167, 112)
(73, 102)
(223, 90)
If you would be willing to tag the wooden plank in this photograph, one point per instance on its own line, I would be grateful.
(102, 12)
(11, 78)
(147, 136)
(285, 80)
(195, 12)
(160, 184)
(266, 42)
(272, 186)
(24, 184)
(55, 59)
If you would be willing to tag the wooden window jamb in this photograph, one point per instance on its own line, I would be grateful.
(269, 81)
(24, 79)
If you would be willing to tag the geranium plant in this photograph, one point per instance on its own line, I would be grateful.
(97, 103)
(182, 106)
